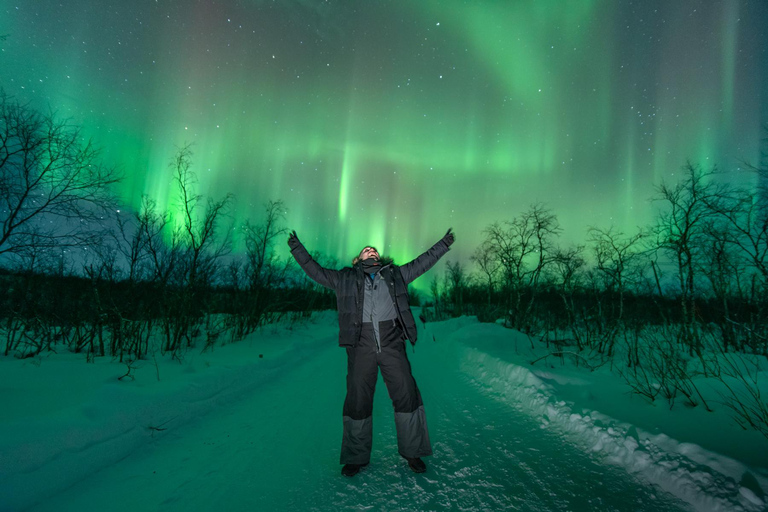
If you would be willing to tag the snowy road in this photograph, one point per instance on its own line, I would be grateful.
(277, 449)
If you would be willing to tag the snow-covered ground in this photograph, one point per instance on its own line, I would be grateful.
(231, 430)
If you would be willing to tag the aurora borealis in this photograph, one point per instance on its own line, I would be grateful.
(386, 122)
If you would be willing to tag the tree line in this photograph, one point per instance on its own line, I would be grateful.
(670, 306)
(81, 273)
(702, 264)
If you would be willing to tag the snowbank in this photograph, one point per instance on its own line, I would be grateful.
(706, 480)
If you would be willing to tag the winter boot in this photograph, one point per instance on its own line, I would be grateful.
(416, 464)
(352, 469)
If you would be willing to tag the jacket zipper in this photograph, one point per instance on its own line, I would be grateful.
(375, 337)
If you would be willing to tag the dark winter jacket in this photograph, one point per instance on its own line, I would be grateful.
(348, 284)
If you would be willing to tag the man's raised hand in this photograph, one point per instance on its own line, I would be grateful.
(449, 237)
(293, 240)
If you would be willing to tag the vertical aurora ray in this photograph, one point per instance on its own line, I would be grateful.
(730, 20)
(629, 171)
(344, 186)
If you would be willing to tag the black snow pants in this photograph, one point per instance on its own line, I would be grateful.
(363, 363)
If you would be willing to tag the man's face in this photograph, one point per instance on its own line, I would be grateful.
(369, 252)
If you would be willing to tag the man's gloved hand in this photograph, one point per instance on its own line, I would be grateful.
(293, 240)
(449, 238)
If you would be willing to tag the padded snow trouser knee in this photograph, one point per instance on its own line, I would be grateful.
(363, 363)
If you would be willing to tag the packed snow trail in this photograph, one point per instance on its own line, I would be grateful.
(278, 449)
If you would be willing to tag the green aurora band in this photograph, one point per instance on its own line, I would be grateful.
(385, 123)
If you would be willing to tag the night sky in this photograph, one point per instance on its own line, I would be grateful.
(386, 122)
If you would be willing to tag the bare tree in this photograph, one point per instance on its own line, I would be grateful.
(434, 289)
(617, 257)
(456, 281)
(198, 232)
(52, 184)
(746, 216)
(196, 250)
(523, 247)
(568, 264)
(489, 266)
(725, 267)
(680, 234)
(259, 243)
(263, 271)
(131, 240)
(164, 257)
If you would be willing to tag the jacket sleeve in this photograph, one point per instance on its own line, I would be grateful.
(415, 268)
(322, 276)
